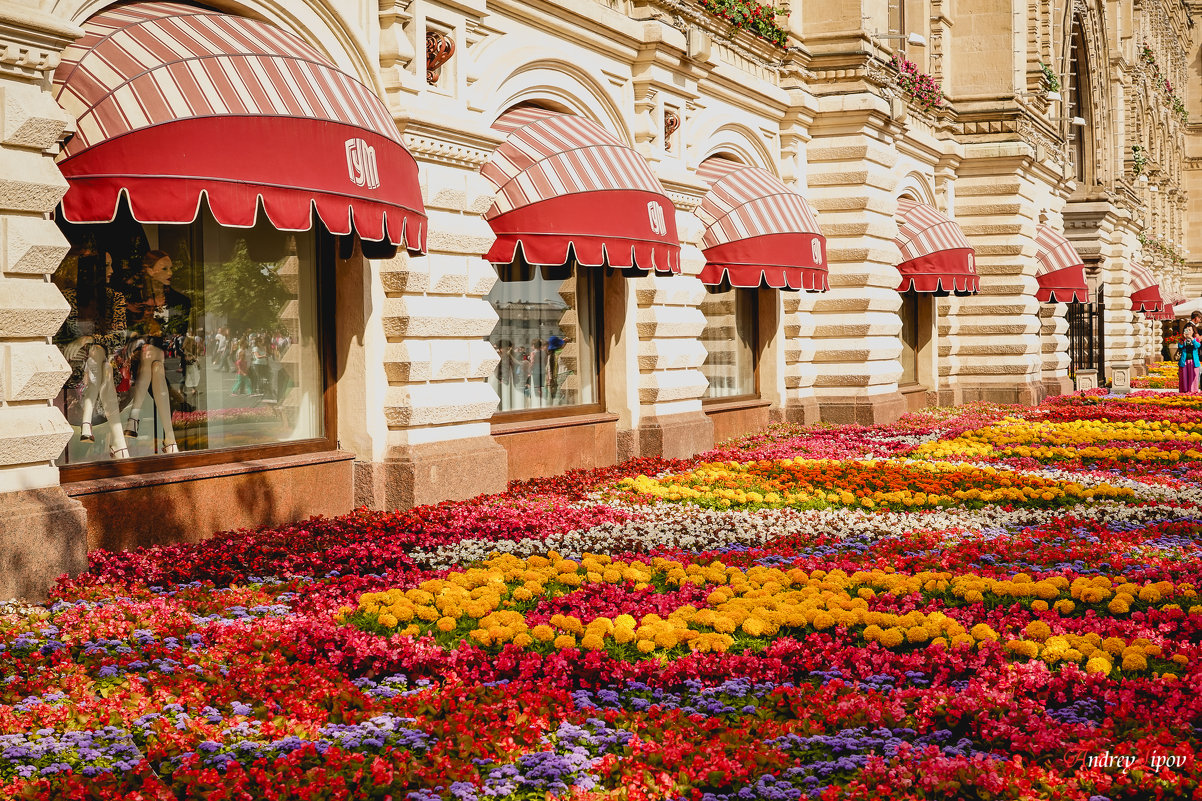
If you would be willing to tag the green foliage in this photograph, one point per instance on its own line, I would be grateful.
(1050, 78)
(751, 16)
(247, 293)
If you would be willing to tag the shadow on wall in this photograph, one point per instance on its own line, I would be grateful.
(41, 537)
(194, 504)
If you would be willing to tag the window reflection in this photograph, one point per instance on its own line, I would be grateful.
(188, 338)
(730, 338)
(546, 337)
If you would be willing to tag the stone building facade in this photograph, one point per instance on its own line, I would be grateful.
(1001, 116)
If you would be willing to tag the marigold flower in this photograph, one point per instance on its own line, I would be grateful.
(982, 631)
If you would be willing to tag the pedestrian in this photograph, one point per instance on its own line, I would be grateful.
(1188, 360)
(241, 370)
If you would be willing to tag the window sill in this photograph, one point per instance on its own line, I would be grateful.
(718, 405)
(185, 474)
(520, 426)
(910, 389)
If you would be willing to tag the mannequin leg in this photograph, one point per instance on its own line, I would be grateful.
(162, 404)
(112, 412)
(141, 387)
(93, 370)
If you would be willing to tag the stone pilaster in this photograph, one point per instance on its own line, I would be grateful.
(433, 322)
(1053, 334)
(669, 322)
(667, 419)
(42, 531)
(855, 326)
(996, 333)
(801, 373)
(1119, 247)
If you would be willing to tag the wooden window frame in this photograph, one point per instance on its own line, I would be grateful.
(549, 413)
(325, 251)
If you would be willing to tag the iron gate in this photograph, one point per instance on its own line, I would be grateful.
(1087, 336)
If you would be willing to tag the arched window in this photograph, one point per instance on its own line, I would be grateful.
(1081, 138)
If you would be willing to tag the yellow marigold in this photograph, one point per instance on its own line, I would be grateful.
(564, 641)
(645, 646)
(1181, 659)
(410, 631)
(1150, 594)
(387, 621)
(523, 640)
(593, 642)
(917, 634)
(982, 631)
(872, 633)
(753, 627)
(1024, 648)
(1118, 607)
(892, 637)
(522, 594)
(1134, 662)
(1038, 630)
(1098, 664)
(543, 633)
(1153, 650)
(974, 597)
(446, 624)
(480, 636)
(724, 624)
(1113, 645)
(1039, 606)
(1064, 606)
(666, 639)
(823, 620)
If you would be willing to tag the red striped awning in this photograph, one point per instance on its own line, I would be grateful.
(758, 232)
(1061, 272)
(567, 186)
(1166, 313)
(935, 255)
(176, 104)
(1145, 291)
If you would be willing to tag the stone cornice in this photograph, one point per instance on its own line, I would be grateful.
(31, 41)
(447, 144)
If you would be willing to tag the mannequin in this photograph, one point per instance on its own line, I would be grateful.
(96, 306)
(157, 316)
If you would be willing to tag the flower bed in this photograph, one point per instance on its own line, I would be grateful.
(1162, 376)
(985, 602)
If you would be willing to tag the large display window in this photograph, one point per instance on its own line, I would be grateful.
(731, 339)
(547, 336)
(186, 339)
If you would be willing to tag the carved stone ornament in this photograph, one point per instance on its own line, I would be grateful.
(671, 126)
(439, 49)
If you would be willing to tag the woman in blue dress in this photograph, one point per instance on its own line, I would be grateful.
(1187, 360)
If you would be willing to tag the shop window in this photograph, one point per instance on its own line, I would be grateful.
(731, 342)
(547, 336)
(188, 338)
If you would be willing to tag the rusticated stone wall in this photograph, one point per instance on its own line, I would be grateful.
(41, 529)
